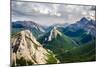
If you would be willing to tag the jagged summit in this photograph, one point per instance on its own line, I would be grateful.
(26, 50)
(53, 33)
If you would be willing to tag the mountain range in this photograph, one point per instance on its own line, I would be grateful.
(30, 25)
(82, 25)
(61, 43)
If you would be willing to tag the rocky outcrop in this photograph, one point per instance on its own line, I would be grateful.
(54, 33)
(26, 50)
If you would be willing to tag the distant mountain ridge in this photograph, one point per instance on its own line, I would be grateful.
(30, 25)
(85, 24)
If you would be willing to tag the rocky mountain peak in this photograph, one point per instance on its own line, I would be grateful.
(26, 50)
(54, 33)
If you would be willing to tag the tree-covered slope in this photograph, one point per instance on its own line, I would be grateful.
(83, 53)
(57, 42)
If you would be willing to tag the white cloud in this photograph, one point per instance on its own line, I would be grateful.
(46, 13)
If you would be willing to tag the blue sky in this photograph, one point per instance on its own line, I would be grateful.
(48, 14)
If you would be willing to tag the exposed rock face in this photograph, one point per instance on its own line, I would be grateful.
(25, 50)
(53, 33)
